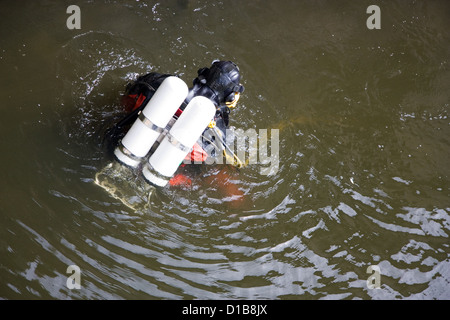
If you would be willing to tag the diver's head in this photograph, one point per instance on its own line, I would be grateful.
(223, 79)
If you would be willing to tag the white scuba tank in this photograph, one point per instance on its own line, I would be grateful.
(151, 121)
(166, 159)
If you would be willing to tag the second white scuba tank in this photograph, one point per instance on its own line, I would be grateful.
(166, 159)
(151, 121)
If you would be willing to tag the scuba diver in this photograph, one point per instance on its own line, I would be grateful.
(219, 85)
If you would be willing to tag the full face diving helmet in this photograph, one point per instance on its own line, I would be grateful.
(222, 79)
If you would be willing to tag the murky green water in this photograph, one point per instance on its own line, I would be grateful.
(364, 146)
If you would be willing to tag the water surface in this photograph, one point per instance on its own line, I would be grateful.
(363, 179)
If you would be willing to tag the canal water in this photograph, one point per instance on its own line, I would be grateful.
(357, 207)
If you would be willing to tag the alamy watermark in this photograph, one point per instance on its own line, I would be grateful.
(374, 280)
(74, 20)
(239, 147)
(374, 20)
(74, 280)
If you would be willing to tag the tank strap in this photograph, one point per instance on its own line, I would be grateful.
(146, 121)
(177, 143)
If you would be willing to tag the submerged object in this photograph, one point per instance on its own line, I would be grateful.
(179, 141)
(125, 185)
(151, 122)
